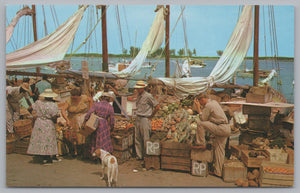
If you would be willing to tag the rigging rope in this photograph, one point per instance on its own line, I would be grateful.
(184, 32)
(125, 16)
(46, 31)
(120, 28)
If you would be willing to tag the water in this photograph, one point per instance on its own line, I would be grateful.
(286, 71)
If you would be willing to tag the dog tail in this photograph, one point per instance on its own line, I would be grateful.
(114, 175)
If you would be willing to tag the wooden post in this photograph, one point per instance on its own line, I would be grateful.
(38, 69)
(167, 41)
(104, 40)
(255, 52)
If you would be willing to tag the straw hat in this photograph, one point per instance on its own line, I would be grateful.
(140, 84)
(25, 86)
(48, 93)
(107, 94)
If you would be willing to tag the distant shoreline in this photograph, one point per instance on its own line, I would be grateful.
(289, 59)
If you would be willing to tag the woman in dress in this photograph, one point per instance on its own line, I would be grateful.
(43, 138)
(100, 139)
(74, 111)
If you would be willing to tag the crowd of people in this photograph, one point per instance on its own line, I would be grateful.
(78, 107)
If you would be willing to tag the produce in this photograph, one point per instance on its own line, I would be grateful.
(278, 170)
(156, 124)
(239, 181)
(255, 173)
(252, 183)
(250, 176)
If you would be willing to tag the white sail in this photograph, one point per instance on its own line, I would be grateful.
(229, 62)
(51, 48)
(151, 44)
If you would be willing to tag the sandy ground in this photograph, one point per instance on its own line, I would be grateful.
(21, 171)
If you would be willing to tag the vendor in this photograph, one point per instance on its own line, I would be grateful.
(213, 120)
(147, 107)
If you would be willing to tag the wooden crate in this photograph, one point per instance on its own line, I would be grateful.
(199, 168)
(236, 150)
(234, 139)
(152, 147)
(277, 155)
(176, 163)
(256, 110)
(122, 156)
(267, 179)
(202, 155)
(21, 145)
(234, 169)
(152, 161)
(253, 161)
(257, 98)
(258, 122)
(290, 153)
(175, 149)
(120, 143)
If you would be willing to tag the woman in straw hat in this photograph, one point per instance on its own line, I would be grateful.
(43, 138)
(101, 138)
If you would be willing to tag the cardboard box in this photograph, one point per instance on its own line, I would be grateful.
(234, 169)
(90, 126)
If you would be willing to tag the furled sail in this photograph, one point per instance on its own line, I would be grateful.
(49, 49)
(10, 28)
(228, 63)
(151, 44)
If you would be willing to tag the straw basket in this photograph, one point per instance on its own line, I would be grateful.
(23, 127)
(10, 146)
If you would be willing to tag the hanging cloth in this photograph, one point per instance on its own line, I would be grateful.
(49, 49)
(229, 62)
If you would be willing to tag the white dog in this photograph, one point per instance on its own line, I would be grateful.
(111, 163)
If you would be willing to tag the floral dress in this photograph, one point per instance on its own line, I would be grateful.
(43, 138)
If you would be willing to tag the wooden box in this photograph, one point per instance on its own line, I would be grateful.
(276, 175)
(234, 169)
(290, 153)
(152, 161)
(257, 98)
(256, 110)
(120, 143)
(122, 156)
(258, 122)
(176, 163)
(277, 155)
(199, 168)
(152, 147)
(202, 155)
(236, 150)
(90, 126)
(254, 161)
(234, 139)
(175, 149)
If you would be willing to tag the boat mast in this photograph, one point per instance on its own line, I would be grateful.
(104, 40)
(255, 52)
(167, 48)
(38, 69)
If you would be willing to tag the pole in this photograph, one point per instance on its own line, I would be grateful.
(104, 40)
(167, 49)
(255, 52)
(38, 69)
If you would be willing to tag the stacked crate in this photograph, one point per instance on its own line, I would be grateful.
(175, 156)
(152, 157)
(122, 145)
(258, 117)
(200, 159)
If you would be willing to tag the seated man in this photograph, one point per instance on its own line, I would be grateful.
(213, 120)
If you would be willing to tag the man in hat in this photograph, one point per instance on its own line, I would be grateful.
(213, 120)
(13, 96)
(146, 107)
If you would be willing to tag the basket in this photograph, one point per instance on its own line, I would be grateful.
(10, 146)
(23, 127)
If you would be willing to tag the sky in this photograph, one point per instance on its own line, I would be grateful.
(208, 27)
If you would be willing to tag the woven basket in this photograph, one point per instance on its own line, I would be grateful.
(23, 127)
(10, 146)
